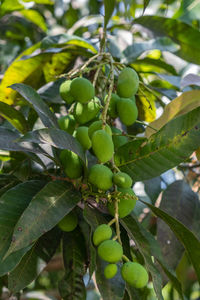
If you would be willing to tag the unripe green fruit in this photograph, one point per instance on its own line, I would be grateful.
(102, 145)
(82, 90)
(101, 177)
(83, 137)
(72, 164)
(110, 251)
(65, 92)
(118, 140)
(135, 274)
(122, 180)
(125, 205)
(67, 123)
(127, 111)
(110, 271)
(69, 222)
(128, 83)
(112, 108)
(97, 125)
(102, 233)
(84, 113)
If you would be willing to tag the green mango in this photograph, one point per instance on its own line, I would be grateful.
(110, 271)
(82, 90)
(102, 145)
(72, 164)
(110, 251)
(67, 123)
(122, 180)
(84, 113)
(127, 111)
(125, 205)
(69, 222)
(100, 176)
(128, 83)
(135, 274)
(97, 125)
(65, 92)
(102, 233)
(83, 137)
(112, 108)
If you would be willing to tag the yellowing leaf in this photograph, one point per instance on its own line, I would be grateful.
(20, 71)
(146, 105)
(56, 65)
(179, 106)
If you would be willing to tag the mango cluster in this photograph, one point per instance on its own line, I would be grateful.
(96, 134)
(112, 252)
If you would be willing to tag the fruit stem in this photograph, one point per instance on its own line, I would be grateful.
(129, 135)
(124, 257)
(115, 238)
(114, 165)
(143, 123)
(111, 222)
(104, 112)
(117, 221)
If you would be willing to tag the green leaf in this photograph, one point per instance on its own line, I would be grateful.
(109, 7)
(132, 52)
(72, 287)
(35, 17)
(8, 6)
(134, 231)
(186, 237)
(153, 188)
(180, 202)
(46, 116)
(13, 116)
(62, 40)
(54, 137)
(12, 260)
(145, 4)
(12, 205)
(188, 11)
(179, 106)
(46, 209)
(49, 2)
(148, 64)
(167, 148)
(7, 142)
(182, 34)
(34, 261)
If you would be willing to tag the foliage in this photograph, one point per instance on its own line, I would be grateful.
(42, 43)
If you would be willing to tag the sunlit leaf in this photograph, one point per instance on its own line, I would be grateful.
(180, 105)
(35, 17)
(182, 34)
(13, 116)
